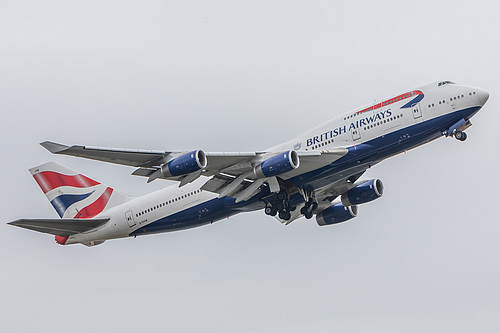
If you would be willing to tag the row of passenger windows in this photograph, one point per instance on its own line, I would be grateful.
(365, 128)
(163, 204)
(322, 144)
(351, 116)
(383, 121)
(451, 99)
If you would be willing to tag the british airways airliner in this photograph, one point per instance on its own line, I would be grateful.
(317, 173)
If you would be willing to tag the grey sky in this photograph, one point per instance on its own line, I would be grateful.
(243, 76)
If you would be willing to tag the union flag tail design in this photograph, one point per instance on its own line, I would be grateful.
(74, 195)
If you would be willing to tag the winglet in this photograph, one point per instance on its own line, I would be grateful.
(53, 147)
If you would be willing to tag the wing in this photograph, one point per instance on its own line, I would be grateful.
(230, 172)
(59, 227)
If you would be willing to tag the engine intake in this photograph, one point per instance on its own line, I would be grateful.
(363, 193)
(185, 164)
(278, 164)
(336, 214)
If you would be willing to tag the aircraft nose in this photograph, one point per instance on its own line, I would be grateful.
(483, 96)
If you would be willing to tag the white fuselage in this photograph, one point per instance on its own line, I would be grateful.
(380, 130)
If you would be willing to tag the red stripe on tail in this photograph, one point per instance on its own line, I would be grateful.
(49, 180)
(96, 207)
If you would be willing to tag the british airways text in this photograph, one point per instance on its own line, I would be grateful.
(343, 129)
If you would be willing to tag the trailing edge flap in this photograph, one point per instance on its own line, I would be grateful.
(60, 227)
(312, 160)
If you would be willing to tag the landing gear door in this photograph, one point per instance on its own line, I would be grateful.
(417, 111)
(130, 218)
(356, 135)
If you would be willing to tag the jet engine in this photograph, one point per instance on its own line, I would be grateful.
(278, 164)
(185, 164)
(365, 192)
(335, 214)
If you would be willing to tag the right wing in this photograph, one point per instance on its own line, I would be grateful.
(230, 172)
(60, 227)
(226, 163)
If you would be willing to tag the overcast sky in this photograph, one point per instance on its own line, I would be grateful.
(243, 76)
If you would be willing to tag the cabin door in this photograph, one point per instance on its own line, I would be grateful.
(356, 135)
(130, 218)
(417, 111)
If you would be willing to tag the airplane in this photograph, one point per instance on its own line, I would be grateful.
(317, 173)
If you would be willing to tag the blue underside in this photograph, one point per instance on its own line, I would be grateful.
(359, 157)
(207, 212)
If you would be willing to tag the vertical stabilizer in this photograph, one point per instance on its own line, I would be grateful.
(74, 195)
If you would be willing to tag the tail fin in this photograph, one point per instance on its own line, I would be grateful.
(74, 195)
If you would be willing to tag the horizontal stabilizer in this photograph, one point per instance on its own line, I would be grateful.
(59, 227)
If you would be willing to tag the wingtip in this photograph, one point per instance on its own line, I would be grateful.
(17, 223)
(53, 147)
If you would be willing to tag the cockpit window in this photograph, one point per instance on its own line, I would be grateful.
(445, 82)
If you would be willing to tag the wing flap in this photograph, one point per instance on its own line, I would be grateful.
(144, 172)
(218, 183)
(234, 162)
(313, 160)
(59, 227)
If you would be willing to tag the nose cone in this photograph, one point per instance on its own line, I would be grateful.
(483, 96)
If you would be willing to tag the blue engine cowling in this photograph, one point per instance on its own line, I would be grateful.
(336, 214)
(185, 164)
(363, 193)
(278, 164)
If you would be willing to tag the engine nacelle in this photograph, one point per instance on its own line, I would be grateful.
(363, 193)
(278, 164)
(336, 214)
(185, 164)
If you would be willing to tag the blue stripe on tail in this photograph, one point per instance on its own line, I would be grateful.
(63, 202)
